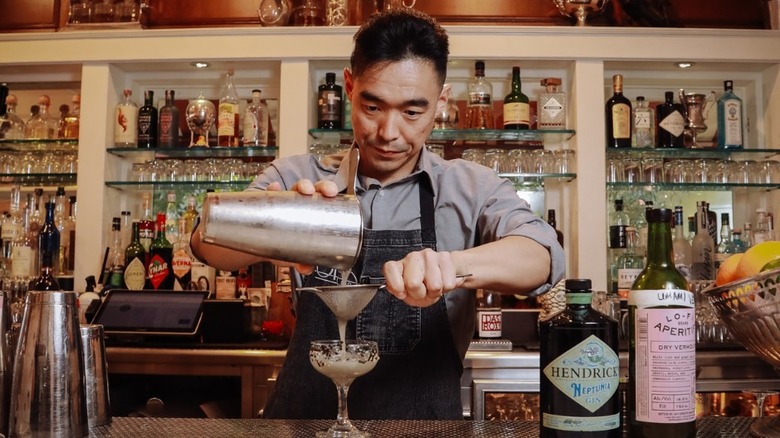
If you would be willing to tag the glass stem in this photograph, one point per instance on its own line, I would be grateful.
(343, 416)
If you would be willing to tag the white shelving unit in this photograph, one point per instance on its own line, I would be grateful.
(288, 63)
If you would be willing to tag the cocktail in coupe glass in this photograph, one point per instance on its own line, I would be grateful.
(343, 362)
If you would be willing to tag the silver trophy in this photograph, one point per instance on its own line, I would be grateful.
(695, 112)
(580, 8)
(200, 115)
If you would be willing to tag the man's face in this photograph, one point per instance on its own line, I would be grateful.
(393, 108)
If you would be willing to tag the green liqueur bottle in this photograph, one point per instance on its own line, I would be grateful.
(662, 342)
(580, 370)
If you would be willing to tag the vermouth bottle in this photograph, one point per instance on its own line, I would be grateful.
(580, 370)
(517, 113)
(662, 342)
(618, 116)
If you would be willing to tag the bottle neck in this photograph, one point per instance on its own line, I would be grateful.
(516, 83)
(660, 251)
(578, 299)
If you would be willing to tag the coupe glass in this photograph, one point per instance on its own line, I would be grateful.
(342, 362)
(200, 115)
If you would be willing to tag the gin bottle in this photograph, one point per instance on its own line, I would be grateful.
(552, 105)
(579, 350)
(479, 112)
(644, 124)
(730, 119)
(662, 334)
(670, 123)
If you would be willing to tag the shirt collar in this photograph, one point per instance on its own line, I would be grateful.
(425, 166)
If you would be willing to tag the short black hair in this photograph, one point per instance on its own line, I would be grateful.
(397, 35)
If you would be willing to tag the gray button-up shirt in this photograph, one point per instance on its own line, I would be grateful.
(473, 206)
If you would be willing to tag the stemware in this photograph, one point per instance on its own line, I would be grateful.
(343, 362)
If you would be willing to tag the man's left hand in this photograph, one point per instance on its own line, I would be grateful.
(422, 277)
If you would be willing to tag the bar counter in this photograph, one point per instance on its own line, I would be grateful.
(722, 427)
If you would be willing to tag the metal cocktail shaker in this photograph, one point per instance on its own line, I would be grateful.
(47, 394)
(95, 375)
(286, 226)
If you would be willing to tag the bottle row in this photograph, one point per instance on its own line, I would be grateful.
(148, 127)
(40, 124)
(670, 124)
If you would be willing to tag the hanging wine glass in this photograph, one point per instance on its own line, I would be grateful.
(274, 12)
(200, 115)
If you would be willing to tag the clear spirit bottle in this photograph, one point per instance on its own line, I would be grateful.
(256, 121)
(703, 247)
(42, 125)
(723, 250)
(730, 119)
(681, 245)
(126, 121)
(11, 125)
(552, 105)
(644, 124)
(629, 264)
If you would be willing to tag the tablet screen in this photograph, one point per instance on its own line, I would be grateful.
(151, 312)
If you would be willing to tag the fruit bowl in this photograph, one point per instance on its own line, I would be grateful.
(750, 308)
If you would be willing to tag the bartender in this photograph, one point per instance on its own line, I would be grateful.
(426, 220)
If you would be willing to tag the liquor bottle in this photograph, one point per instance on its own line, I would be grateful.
(670, 123)
(761, 232)
(747, 235)
(243, 283)
(682, 247)
(36, 215)
(730, 119)
(488, 314)
(479, 111)
(71, 230)
(618, 223)
(737, 243)
(618, 116)
(42, 125)
(517, 112)
(190, 216)
(61, 221)
(182, 259)
(146, 223)
(578, 350)
(160, 267)
(115, 266)
(703, 247)
(126, 121)
(723, 250)
(48, 248)
(553, 223)
(24, 252)
(11, 125)
(126, 228)
(135, 261)
(644, 124)
(70, 128)
(629, 264)
(11, 227)
(329, 108)
(227, 114)
(691, 229)
(662, 334)
(172, 219)
(641, 227)
(552, 105)
(256, 122)
(147, 122)
(168, 128)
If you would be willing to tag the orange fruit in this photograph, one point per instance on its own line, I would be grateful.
(756, 258)
(728, 269)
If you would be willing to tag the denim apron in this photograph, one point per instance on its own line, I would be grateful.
(419, 368)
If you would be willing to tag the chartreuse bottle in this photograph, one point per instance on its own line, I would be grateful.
(580, 370)
(662, 342)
